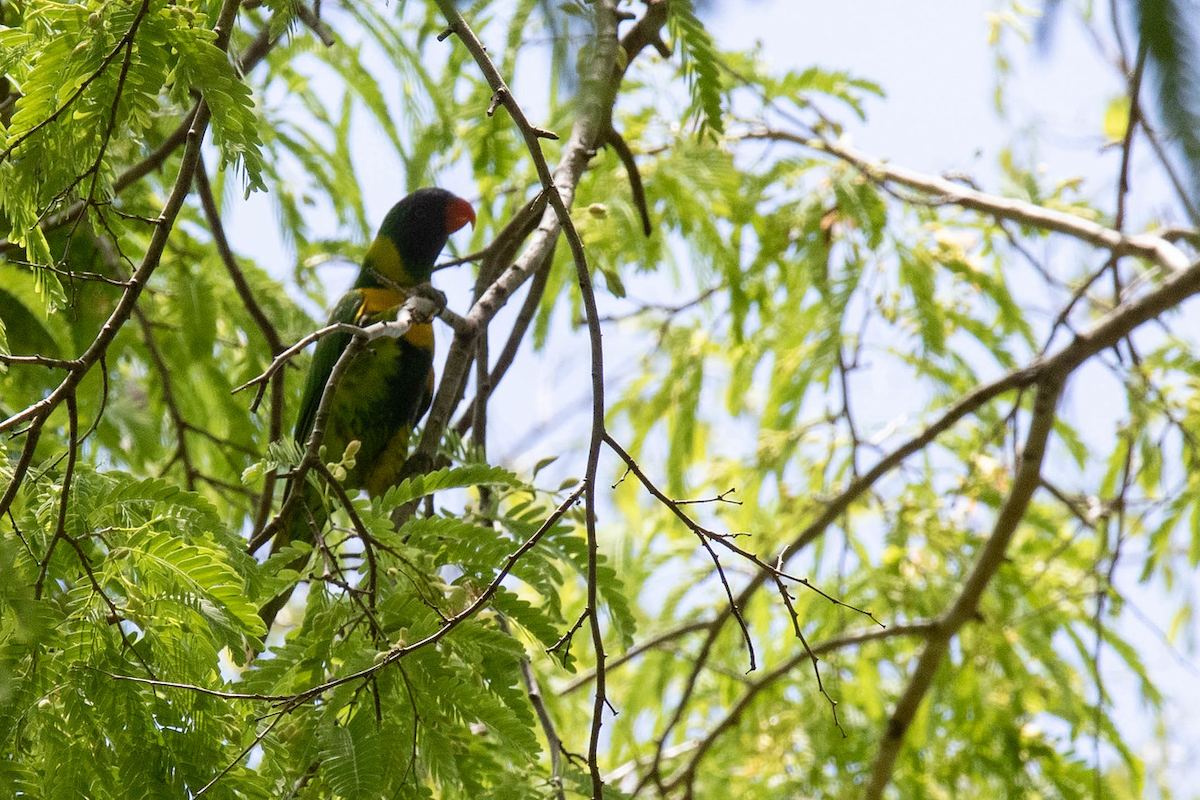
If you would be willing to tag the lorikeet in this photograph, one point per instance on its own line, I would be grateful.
(388, 387)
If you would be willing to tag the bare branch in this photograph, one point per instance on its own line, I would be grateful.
(1148, 246)
(965, 608)
(553, 743)
(182, 454)
(686, 774)
(704, 536)
(265, 327)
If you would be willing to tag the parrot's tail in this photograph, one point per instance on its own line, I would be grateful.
(300, 523)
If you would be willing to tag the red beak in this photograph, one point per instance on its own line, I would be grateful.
(458, 214)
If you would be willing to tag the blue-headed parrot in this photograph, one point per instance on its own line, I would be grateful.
(389, 385)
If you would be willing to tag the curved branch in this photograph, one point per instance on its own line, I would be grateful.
(687, 772)
(275, 423)
(1025, 483)
(1148, 246)
(594, 119)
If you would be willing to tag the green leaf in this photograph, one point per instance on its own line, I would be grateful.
(1116, 118)
(197, 571)
(352, 756)
(203, 67)
(451, 478)
(1164, 28)
(701, 66)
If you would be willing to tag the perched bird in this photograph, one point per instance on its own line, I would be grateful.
(389, 385)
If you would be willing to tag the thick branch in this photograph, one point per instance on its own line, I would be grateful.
(937, 643)
(595, 114)
(560, 188)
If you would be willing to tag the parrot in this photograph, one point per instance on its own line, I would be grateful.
(388, 387)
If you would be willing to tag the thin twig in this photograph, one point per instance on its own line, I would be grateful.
(704, 539)
(368, 544)
(166, 382)
(564, 641)
(255, 742)
(653, 643)
(534, 692)
(1101, 335)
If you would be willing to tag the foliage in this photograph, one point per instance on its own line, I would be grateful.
(825, 454)
(1168, 39)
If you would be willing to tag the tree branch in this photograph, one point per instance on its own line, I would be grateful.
(966, 606)
(1153, 248)
(267, 328)
(398, 652)
(686, 774)
(649, 644)
(39, 412)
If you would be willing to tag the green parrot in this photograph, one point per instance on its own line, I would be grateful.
(389, 385)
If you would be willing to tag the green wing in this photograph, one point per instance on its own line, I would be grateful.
(329, 349)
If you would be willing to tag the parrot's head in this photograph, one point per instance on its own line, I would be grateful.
(412, 235)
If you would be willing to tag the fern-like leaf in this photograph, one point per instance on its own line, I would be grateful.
(701, 66)
(1164, 26)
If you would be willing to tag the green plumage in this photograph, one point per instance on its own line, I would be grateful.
(385, 391)
(388, 386)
